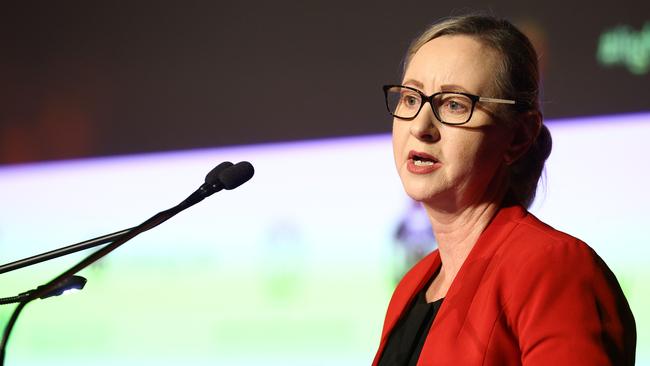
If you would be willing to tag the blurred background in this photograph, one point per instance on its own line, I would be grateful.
(101, 78)
(111, 111)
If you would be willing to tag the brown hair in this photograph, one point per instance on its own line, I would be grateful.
(517, 78)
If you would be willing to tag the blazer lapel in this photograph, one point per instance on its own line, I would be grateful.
(406, 290)
(453, 312)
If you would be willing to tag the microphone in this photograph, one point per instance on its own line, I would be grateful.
(225, 175)
(236, 175)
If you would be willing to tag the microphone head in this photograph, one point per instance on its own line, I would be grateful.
(212, 179)
(236, 175)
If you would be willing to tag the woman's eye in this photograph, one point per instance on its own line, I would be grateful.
(455, 106)
(410, 100)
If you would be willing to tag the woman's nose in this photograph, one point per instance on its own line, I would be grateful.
(424, 126)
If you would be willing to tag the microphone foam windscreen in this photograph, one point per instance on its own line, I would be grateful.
(213, 177)
(236, 175)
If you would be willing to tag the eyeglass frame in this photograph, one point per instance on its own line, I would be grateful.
(424, 98)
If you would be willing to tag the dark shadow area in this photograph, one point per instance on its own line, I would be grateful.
(86, 79)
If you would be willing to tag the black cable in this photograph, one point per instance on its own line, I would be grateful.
(5, 336)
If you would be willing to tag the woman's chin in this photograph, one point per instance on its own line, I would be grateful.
(434, 197)
(423, 194)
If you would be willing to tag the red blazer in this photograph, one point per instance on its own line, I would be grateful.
(527, 294)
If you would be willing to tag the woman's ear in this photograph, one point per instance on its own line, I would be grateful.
(525, 132)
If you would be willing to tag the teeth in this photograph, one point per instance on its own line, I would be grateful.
(422, 163)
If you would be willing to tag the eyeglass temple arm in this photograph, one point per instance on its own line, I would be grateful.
(496, 100)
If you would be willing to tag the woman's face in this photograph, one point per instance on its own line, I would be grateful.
(451, 167)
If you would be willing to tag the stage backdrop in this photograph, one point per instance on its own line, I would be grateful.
(82, 79)
(295, 267)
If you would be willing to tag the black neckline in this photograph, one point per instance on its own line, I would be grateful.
(406, 340)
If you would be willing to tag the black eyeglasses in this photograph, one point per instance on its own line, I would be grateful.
(452, 108)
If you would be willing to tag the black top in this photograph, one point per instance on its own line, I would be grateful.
(406, 340)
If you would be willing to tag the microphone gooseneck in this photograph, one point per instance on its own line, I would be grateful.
(211, 186)
(225, 175)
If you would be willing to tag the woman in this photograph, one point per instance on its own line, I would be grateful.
(502, 288)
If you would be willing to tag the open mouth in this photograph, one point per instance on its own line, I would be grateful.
(422, 159)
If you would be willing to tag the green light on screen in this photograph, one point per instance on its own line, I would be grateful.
(623, 45)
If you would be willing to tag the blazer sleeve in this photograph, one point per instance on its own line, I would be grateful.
(567, 308)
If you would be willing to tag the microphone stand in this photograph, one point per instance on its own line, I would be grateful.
(155, 220)
(26, 262)
(225, 175)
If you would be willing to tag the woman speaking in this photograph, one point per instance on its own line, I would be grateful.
(503, 288)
